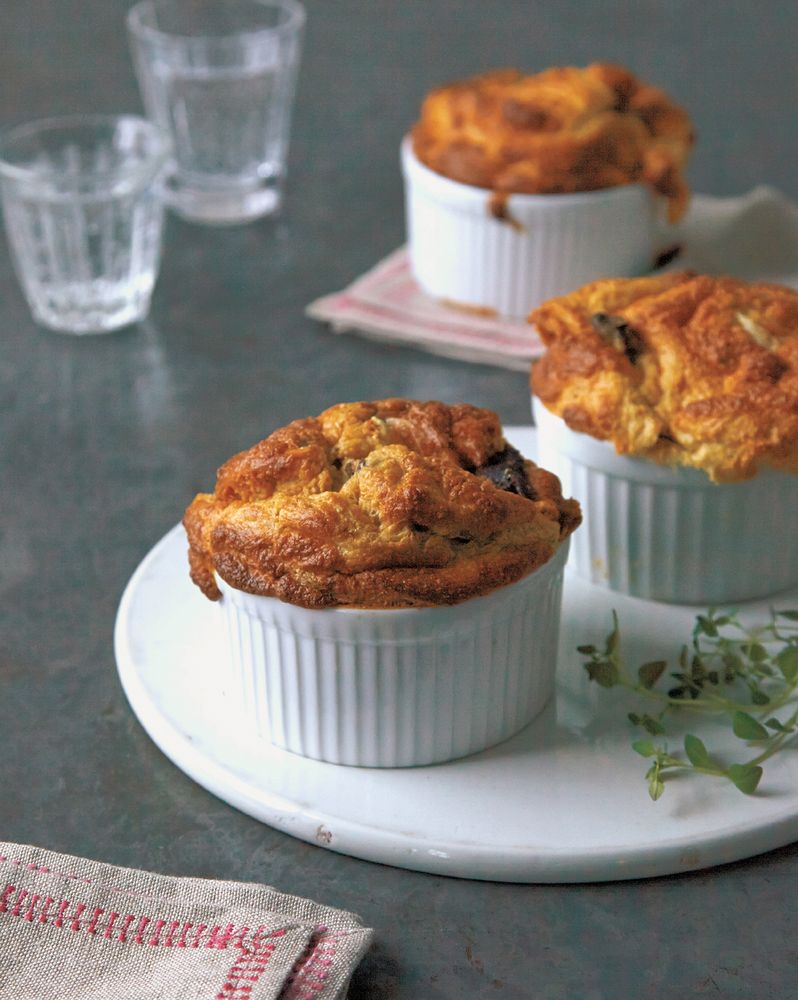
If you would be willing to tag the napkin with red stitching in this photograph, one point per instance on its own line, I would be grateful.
(74, 929)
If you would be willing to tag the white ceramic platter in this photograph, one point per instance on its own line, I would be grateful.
(564, 801)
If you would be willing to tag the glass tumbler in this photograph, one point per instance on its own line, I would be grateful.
(219, 78)
(84, 217)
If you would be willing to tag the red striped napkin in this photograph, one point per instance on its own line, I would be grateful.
(73, 929)
(386, 304)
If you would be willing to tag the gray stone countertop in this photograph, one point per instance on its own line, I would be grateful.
(104, 440)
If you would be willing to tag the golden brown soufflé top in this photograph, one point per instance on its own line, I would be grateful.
(680, 368)
(559, 131)
(387, 504)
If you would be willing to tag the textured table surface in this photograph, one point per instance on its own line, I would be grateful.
(104, 440)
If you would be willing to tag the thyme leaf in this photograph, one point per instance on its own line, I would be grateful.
(740, 673)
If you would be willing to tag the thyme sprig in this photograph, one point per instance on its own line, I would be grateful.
(742, 673)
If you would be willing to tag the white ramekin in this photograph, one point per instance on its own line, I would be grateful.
(382, 688)
(671, 534)
(461, 253)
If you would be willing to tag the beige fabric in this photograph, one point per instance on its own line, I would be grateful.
(73, 929)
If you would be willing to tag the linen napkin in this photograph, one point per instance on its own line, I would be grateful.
(753, 236)
(74, 929)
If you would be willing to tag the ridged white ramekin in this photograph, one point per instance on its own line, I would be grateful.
(383, 688)
(461, 253)
(671, 534)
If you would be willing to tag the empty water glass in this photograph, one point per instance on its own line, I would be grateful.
(84, 217)
(219, 78)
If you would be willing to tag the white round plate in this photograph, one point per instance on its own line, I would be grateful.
(563, 801)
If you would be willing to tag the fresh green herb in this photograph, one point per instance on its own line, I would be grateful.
(740, 673)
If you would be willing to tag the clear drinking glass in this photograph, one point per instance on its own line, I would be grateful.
(84, 217)
(219, 78)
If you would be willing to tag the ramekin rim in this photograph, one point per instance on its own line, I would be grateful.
(555, 562)
(680, 475)
(470, 192)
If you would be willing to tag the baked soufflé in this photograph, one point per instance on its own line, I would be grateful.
(557, 132)
(681, 368)
(386, 504)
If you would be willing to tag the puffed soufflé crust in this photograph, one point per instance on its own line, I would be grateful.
(385, 504)
(559, 131)
(681, 368)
